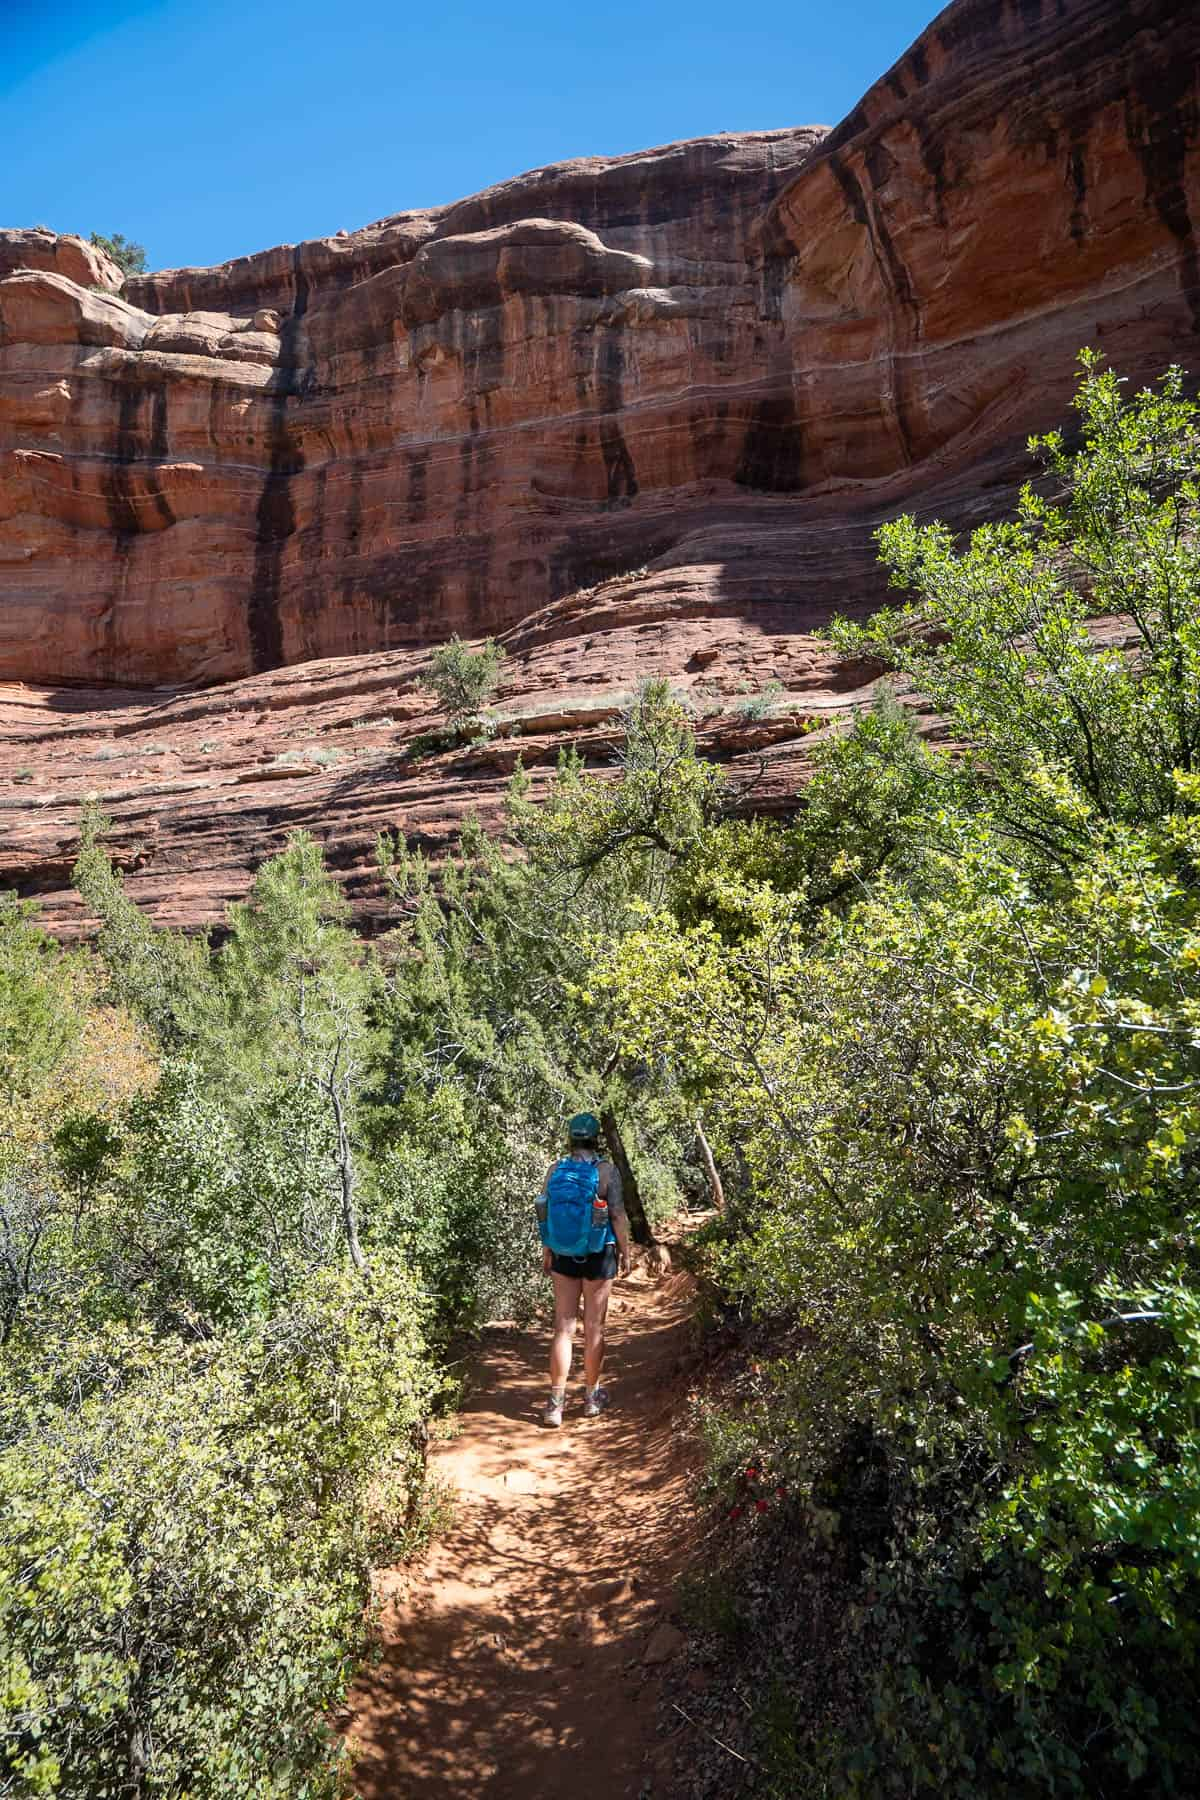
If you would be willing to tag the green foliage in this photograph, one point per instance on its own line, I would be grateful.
(873, 798)
(36, 1028)
(66, 1069)
(999, 637)
(946, 1031)
(129, 257)
(641, 824)
(290, 982)
(154, 973)
(761, 704)
(211, 1401)
(465, 680)
(491, 1019)
(456, 1199)
(182, 1545)
(257, 1188)
(714, 1604)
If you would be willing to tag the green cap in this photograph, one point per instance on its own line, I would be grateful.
(583, 1127)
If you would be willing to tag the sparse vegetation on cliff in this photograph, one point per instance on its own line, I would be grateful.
(759, 704)
(464, 680)
(129, 257)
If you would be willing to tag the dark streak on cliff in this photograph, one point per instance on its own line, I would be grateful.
(275, 519)
(772, 458)
(1162, 123)
(618, 463)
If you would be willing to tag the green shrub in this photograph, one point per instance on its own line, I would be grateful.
(944, 1030)
(129, 257)
(762, 704)
(201, 1402)
(456, 1204)
(464, 680)
(216, 1162)
(183, 1535)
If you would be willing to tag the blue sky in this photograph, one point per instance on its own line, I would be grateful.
(208, 128)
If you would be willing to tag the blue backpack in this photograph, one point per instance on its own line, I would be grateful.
(572, 1213)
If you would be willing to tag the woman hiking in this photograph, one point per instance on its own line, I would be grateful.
(585, 1238)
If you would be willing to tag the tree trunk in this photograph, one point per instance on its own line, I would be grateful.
(710, 1168)
(639, 1224)
(345, 1158)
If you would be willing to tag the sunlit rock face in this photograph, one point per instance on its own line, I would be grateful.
(436, 424)
(638, 416)
(1025, 181)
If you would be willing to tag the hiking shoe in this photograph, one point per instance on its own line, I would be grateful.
(552, 1413)
(595, 1403)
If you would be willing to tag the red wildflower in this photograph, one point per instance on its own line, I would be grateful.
(760, 1506)
(779, 1493)
(751, 1474)
(735, 1512)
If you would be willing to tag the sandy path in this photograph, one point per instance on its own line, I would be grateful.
(514, 1658)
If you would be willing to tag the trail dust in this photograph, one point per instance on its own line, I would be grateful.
(521, 1658)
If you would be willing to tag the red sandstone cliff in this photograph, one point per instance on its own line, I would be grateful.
(435, 424)
(724, 360)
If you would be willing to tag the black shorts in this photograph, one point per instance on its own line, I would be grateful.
(601, 1265)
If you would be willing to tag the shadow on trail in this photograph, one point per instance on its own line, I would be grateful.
(512, 1661)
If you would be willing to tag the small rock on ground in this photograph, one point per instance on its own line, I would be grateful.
(665, 1642)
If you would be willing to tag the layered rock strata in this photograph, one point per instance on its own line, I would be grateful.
(203, 786)
(439, 423)
(1025, 181)
(615, 410)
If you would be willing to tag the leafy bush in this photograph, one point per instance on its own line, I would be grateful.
(465, 680)
(129, 257)
(201, 1388)
(944, 1031)
(457, 1204)
(761, 704)
(1013, 662)
(182, 1544)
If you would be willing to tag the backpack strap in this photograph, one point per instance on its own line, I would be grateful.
(606, 1170)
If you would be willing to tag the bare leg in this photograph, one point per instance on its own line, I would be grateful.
(595, 1312)
(566, 1310)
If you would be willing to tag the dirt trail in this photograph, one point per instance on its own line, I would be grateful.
(514, 1658)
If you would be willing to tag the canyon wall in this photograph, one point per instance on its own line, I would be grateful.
(446, 420)
(433, 425)
(636, 415)
(1025, 181)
